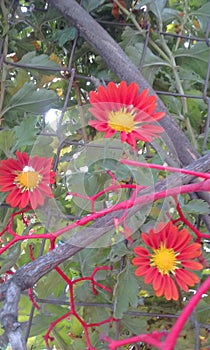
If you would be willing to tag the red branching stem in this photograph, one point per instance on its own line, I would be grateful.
(52, 325)
(31, 252)
(108, 320)
(72, 304)
(165, 168)
(145, 199)
(114, 179)
(22, 238)
(171, 339)
(111, 188)
(94, 283)
(117, 187)
(63, 275)
(31, 297)
(152, 339)
(21, 212)
(25, 221)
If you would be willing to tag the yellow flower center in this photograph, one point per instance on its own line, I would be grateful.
(28, 179)
(165, 260)
(122, 120)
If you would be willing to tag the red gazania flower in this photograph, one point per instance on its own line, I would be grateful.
(26, 179)
(168, 261)
(121, 108)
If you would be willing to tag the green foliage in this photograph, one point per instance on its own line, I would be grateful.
(31, 58)
(26, 132)
(30, 100)
(36, 47)
(196, 206)
(91, 5)
(7, 139)
(125, 292)
(64, 35)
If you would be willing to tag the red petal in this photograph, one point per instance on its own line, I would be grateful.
(142, 270)
(193, 265)
(150, 275)
(141, 251)
(171, 291)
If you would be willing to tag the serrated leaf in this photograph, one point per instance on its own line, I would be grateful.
(196, 206)
(26, 132)
(7, 139)
(28, 99)
(38, 60)
(125, 292)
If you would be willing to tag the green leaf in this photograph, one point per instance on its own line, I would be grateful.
(203, 15)
(47, 287)
(8, 261)
(91, 5)
(125, 292)
(130, 37)
(20, 227)
(170, 14)
(65, 35)
(30, 100)
(7, 139)
(134, 326)
(194, 58)
(157, 7)
(26, 132)
(203, 10)
(196, 206)
(38, 60)
(202, 312)
(68, 34)
(41, 324)
(152, 63)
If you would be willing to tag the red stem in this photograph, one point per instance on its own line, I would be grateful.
(165, 168)
(152, 339)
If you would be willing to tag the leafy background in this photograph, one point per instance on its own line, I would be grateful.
(40, 116)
